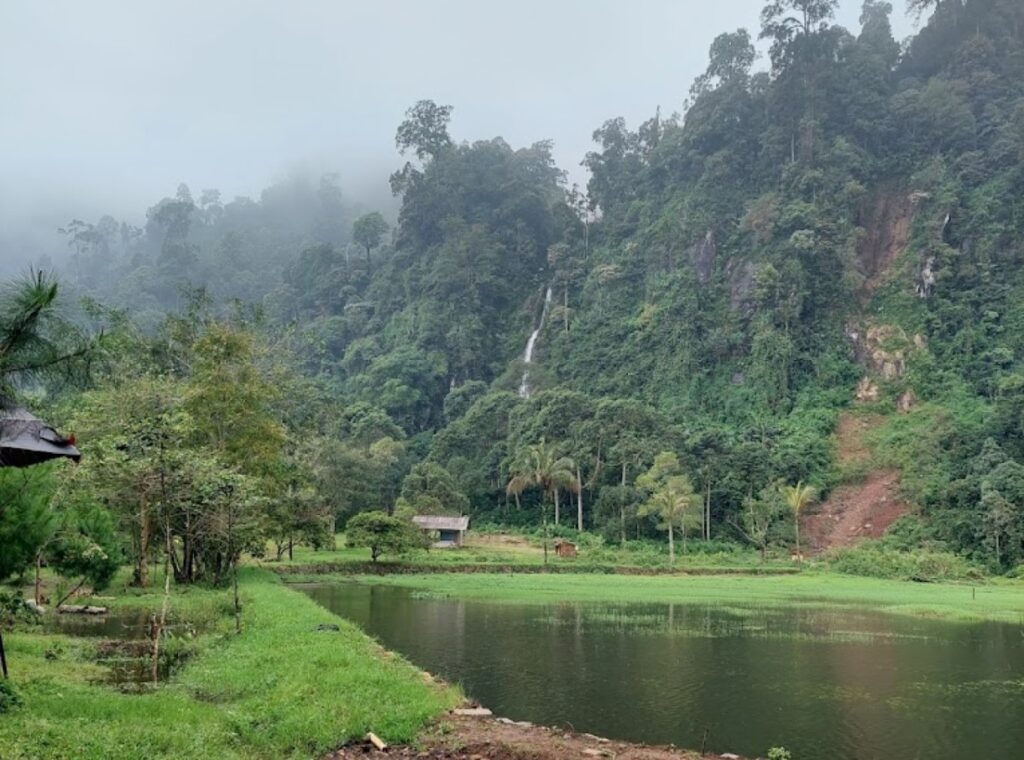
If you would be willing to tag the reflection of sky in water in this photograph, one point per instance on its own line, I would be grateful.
(843, 684)
(116, 624)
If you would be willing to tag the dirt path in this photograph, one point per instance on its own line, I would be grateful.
(486, 738)
(861, 510)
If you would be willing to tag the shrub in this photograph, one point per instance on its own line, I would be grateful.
(14, 609)
(383, 534)
(872, 560)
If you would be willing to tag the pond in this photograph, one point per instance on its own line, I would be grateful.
(123, 643)
(842, 684)
(117, 624)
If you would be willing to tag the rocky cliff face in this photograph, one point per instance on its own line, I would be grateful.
(702, 257)
(885, 220)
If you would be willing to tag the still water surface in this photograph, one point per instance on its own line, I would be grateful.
(828, 684)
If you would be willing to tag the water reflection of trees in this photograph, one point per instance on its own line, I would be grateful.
(825, 682)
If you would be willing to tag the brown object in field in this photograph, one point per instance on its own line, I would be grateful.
(565, 548)
(376, 741)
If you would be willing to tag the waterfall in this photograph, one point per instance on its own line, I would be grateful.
(524, 386)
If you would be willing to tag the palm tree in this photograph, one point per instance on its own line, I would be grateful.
(671, 503)
(797, 498)
(541, 466)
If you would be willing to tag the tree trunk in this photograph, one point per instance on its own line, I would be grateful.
(157, 628)
(622, 509)
(187, 549)
(707, 509)
(175, 565)
(796, 528)
(545, 536)
(142, 569)
(579, 501)
(70, 594)
(291, 555)
(39, 580)
(189, 560)
(556, 506)
(671, 547)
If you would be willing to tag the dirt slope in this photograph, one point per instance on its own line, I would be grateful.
(886, 218)
(861, 510)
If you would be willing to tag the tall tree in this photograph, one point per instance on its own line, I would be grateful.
(798, 498)
(670, 498)
(368, 231)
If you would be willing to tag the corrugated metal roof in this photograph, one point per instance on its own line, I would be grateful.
(440, 522)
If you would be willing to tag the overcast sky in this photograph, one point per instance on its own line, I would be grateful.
(106, 106)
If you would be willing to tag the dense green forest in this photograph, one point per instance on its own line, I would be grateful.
(834, 228)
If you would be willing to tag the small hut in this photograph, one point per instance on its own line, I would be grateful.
(449, 532)
(565, 548)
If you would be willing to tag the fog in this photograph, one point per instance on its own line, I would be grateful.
(107, 106)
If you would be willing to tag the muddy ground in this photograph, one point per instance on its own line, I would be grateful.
(458, 737)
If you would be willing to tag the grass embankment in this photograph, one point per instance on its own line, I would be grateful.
(994, 601)
(485, 552)
(280, 689)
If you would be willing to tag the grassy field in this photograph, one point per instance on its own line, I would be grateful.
(992, 601)
(510, 550)
(280, 689)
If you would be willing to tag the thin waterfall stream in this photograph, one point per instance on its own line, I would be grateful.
(524, 386)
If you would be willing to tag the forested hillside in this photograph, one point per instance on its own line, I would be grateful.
(836, 228)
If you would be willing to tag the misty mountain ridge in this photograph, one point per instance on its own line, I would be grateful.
(838, 232)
